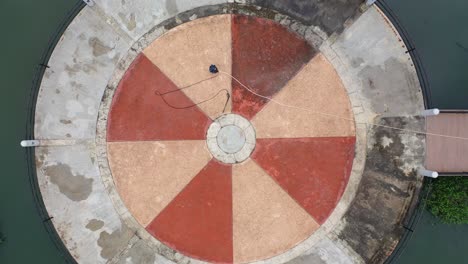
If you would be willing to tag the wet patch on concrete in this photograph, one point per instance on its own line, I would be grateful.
(65, 121)
(75, 187)
(329, 15)
(357, 62)
(76, 85)
(113, 243)
(374, 222)
(389, 84)
(171, 7)
(76, 68)
(72, 70)
(99, 48)
(95, 224)
(130, 22)
(391, 150)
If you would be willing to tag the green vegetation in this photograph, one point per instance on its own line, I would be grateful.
(449, 199)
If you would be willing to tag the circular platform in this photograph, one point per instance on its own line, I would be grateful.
(134, 163)
(231, 138)
(236, 178)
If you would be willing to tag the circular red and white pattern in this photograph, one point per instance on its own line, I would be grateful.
(282, 174)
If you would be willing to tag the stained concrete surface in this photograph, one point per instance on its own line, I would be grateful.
(78, 74)
(378, 73)
(94, 224)
(387, 187)
(75, 187)
(112, 244)
(374, 238)
(137, 17)
(372, 224)
(401, 76)
(79, 204)
(329, 15)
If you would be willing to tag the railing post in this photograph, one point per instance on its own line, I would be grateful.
(429, 173)
(89, 2)
(430, 112)
(29, 143)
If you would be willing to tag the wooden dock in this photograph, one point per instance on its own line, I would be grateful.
(443, 154)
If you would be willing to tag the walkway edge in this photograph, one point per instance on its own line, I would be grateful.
(29, 131)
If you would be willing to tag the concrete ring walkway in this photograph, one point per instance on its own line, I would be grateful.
(128, 110)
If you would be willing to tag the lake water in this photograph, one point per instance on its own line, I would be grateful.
(26, 27)
(439, 30)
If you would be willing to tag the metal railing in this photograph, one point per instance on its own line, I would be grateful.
(454, 111)
(29, 132)
(411, 220)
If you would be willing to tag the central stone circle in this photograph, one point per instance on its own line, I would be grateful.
(231, 138)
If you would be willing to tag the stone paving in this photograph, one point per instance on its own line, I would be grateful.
(137, 166)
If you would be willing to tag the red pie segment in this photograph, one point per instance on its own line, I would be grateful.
(313, 171)
(198, 222)
(137, 113)
(265, 57)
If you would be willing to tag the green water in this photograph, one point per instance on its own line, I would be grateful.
(438, 29)
(435, 242)
(26, 26)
